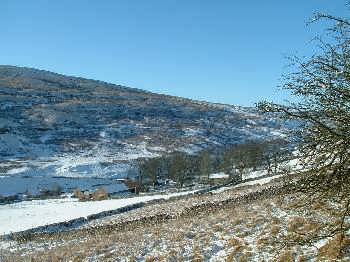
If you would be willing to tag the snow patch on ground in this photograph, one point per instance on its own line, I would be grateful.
(220, 175)
(278, 133)
(30, 214)
(254, 174)
(17, 170)
(261, 181)
(192, 132)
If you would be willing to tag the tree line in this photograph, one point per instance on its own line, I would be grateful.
(233, 160)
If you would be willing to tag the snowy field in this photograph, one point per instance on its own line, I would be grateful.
(30, 214)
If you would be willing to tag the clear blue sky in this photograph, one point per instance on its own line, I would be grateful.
(229, 51)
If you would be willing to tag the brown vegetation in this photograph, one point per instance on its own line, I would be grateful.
(257, 229)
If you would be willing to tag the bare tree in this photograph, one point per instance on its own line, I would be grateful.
(179, 169)
(204, 165)
(321, 85)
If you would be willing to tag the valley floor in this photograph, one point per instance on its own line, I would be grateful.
(250, 223)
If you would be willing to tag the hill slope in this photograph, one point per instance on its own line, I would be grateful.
(57, 125)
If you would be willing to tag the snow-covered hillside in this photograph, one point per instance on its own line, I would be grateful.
(60, 126)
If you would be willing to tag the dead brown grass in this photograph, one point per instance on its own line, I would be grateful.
(245, 230)
(287, 256)
(332, 249)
